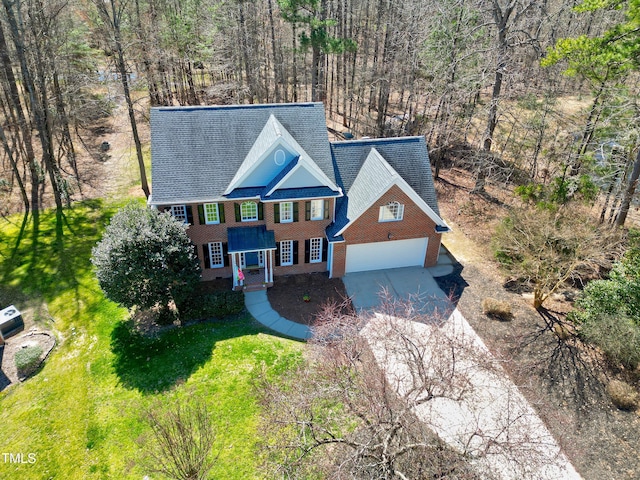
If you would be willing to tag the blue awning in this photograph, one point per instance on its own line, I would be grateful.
(249, 239)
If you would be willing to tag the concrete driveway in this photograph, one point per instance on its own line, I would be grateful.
(416, 283)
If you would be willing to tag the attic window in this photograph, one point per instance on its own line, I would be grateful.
(391, 212)
(279, 157)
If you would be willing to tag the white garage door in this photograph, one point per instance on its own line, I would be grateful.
(394, 254)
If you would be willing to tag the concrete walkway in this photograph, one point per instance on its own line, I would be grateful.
(259, 307)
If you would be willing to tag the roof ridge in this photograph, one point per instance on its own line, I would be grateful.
(360, 141)
(261, 106)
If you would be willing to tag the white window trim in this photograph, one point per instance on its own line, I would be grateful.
(215, 211)
(179, 215)
(217, 252)
(248, 219)
(321, 210)
(283, 209)
(288, 251)
(394, 209)
(315, 250)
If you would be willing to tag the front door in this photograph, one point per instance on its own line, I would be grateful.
(251, 259)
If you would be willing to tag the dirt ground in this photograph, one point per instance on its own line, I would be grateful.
(563, 379)
(287, 295)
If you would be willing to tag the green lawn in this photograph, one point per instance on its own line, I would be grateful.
(81, 414)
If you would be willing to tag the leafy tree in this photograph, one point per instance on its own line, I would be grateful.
(313, 14)
(146, 259)
(609, 310)
(602, 59)
(547, 248)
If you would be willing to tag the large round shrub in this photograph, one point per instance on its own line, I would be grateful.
(146, 259)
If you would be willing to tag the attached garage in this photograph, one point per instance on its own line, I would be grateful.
(393, 254)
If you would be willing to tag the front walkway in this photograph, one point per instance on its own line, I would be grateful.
(259, 307)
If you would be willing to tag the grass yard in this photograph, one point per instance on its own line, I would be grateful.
(81, 414)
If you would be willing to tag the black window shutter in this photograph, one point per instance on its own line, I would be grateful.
(260, 211)
(295, 252)
(221, 212)
(307, 251)
(207, 259)
(278, 254)
(276, 213)
(225, 254)
(189, 210)
(326, 209)
(307, 211)
(236, 206)
(295, 211)
(325, 249)
(201, 218)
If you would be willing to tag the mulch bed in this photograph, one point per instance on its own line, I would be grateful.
(286, 295)
(8, 370)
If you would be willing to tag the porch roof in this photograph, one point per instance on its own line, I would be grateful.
(249, 239)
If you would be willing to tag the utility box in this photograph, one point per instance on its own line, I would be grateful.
(10, 321)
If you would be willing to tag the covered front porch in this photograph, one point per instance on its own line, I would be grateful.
(252, 251)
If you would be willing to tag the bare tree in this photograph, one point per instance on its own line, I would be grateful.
(547, 249)
(368, 402)
(182, 440)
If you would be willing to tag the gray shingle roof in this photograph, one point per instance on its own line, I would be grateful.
(197, 151)
(356, 169)
(407, 155)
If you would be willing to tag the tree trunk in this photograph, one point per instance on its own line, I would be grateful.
(114, 23)
(629, 192)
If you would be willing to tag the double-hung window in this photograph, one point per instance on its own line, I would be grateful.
(211, 214)
(317, 209)
(286, 212)
(216, 256)
(179, 212)
(391, 212)
(316, 250)
(249, 211)
(286, 252)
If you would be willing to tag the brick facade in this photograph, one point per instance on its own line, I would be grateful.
(202, 234)
(367, 229)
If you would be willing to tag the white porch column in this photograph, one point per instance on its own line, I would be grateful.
(234, 270)
(266, 265)
(271, 263)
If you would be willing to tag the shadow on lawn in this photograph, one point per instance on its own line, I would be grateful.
(157, 364)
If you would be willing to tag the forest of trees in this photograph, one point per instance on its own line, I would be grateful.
(490, 83)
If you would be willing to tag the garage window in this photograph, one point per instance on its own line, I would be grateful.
(391, 212)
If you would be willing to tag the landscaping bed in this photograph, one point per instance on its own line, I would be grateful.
(287, 296)
(9, 373)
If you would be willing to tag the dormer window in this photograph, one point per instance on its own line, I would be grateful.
(391, 212)
(249, 211)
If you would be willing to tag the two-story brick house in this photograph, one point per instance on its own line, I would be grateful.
(265, 193)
